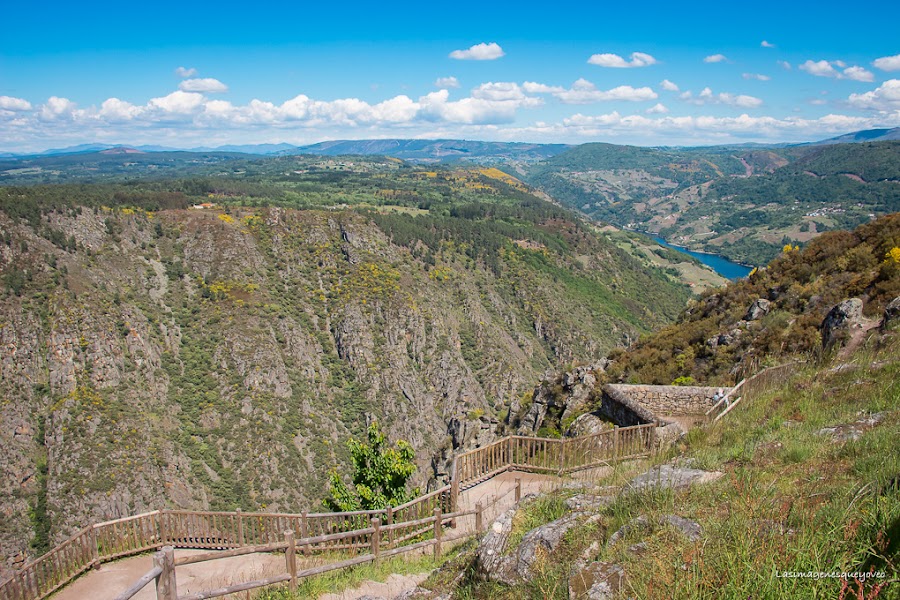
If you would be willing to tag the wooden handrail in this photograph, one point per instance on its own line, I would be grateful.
(223, 529)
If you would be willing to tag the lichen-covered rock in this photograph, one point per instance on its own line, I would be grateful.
(839, 320)
(496, 562)
(757, 310)
(596, 581)
(670, 477)
(891, 317)
(588, 424)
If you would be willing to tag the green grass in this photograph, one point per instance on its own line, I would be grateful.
(345, 579)
(790, 500)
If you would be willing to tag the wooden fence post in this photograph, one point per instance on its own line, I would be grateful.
(304, 532)
(615, 443)
(290, 559)
(479, 525)
(163, 530)
(390, 521)
(376, 537)
(95, 548)
(518, 488)
(240, 528)
(166, 584)
(509, 453)
(438, 531)
(562, 457)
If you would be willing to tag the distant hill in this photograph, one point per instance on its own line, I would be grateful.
(435, 150)
(743, 203)
(868, 135)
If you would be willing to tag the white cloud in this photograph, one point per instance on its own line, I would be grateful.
(766, 44)
(179, 102)
(823, 68)
(207, 85)
(539, 88)
(706, 96)
(14, 104)
(756, 76)
(715, 58)
(638, 59)
(446, 82)
(858, 74)
(668, 86)
(483, 51)
(57, 108)
(887, 63)
(785, 65)
(708, 128)
(115, 110)
(585, 92)
(886, 97)
(184, 72)
(658, 109)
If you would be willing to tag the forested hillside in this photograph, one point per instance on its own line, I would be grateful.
(741, 203)
(212, 342)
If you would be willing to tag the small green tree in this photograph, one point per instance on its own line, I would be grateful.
(380, 474)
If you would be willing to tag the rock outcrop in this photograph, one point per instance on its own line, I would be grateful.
(840, 320)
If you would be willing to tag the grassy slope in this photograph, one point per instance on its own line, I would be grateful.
(790, 499)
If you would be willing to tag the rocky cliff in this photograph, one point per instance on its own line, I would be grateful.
(219, 359)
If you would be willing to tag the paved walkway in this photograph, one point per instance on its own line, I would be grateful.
(113, 578)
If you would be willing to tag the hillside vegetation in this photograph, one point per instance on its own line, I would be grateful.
(743, 204)
(715, 342)
(156, 355)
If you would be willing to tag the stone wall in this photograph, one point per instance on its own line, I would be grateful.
(635, 404)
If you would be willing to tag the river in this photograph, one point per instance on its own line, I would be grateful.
(719, 264)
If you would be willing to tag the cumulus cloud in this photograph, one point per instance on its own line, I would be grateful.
(585, 92)
(785, 65)
(766, 44)
(184, 72)
(207, 85)
(446, 82)
(715, 58)
(756, 76)
(115, 110)
(658, 109)
(668, 86)
(887, 63)
(823, 68)
(638, 59)
(179, 102)
(57, 108)
(706, 96)
(886, 97)
(14, 104)
(482, 51)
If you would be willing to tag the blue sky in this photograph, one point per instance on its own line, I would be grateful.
(186, 74)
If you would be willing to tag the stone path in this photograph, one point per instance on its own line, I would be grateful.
(113, 578)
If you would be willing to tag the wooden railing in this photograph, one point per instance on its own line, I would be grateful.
(317, 532)
(747, 388)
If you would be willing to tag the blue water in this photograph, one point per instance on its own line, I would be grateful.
(719, 264)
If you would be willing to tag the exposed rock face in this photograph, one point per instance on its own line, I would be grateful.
(667, 435)
(567, 395)
(839, 320)
(588, 424)
(757, 310)
(891, 314)
(852, 431)
(596, 581)
(668, 476)
(202, 360)
(493, 565)
(689, 529)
